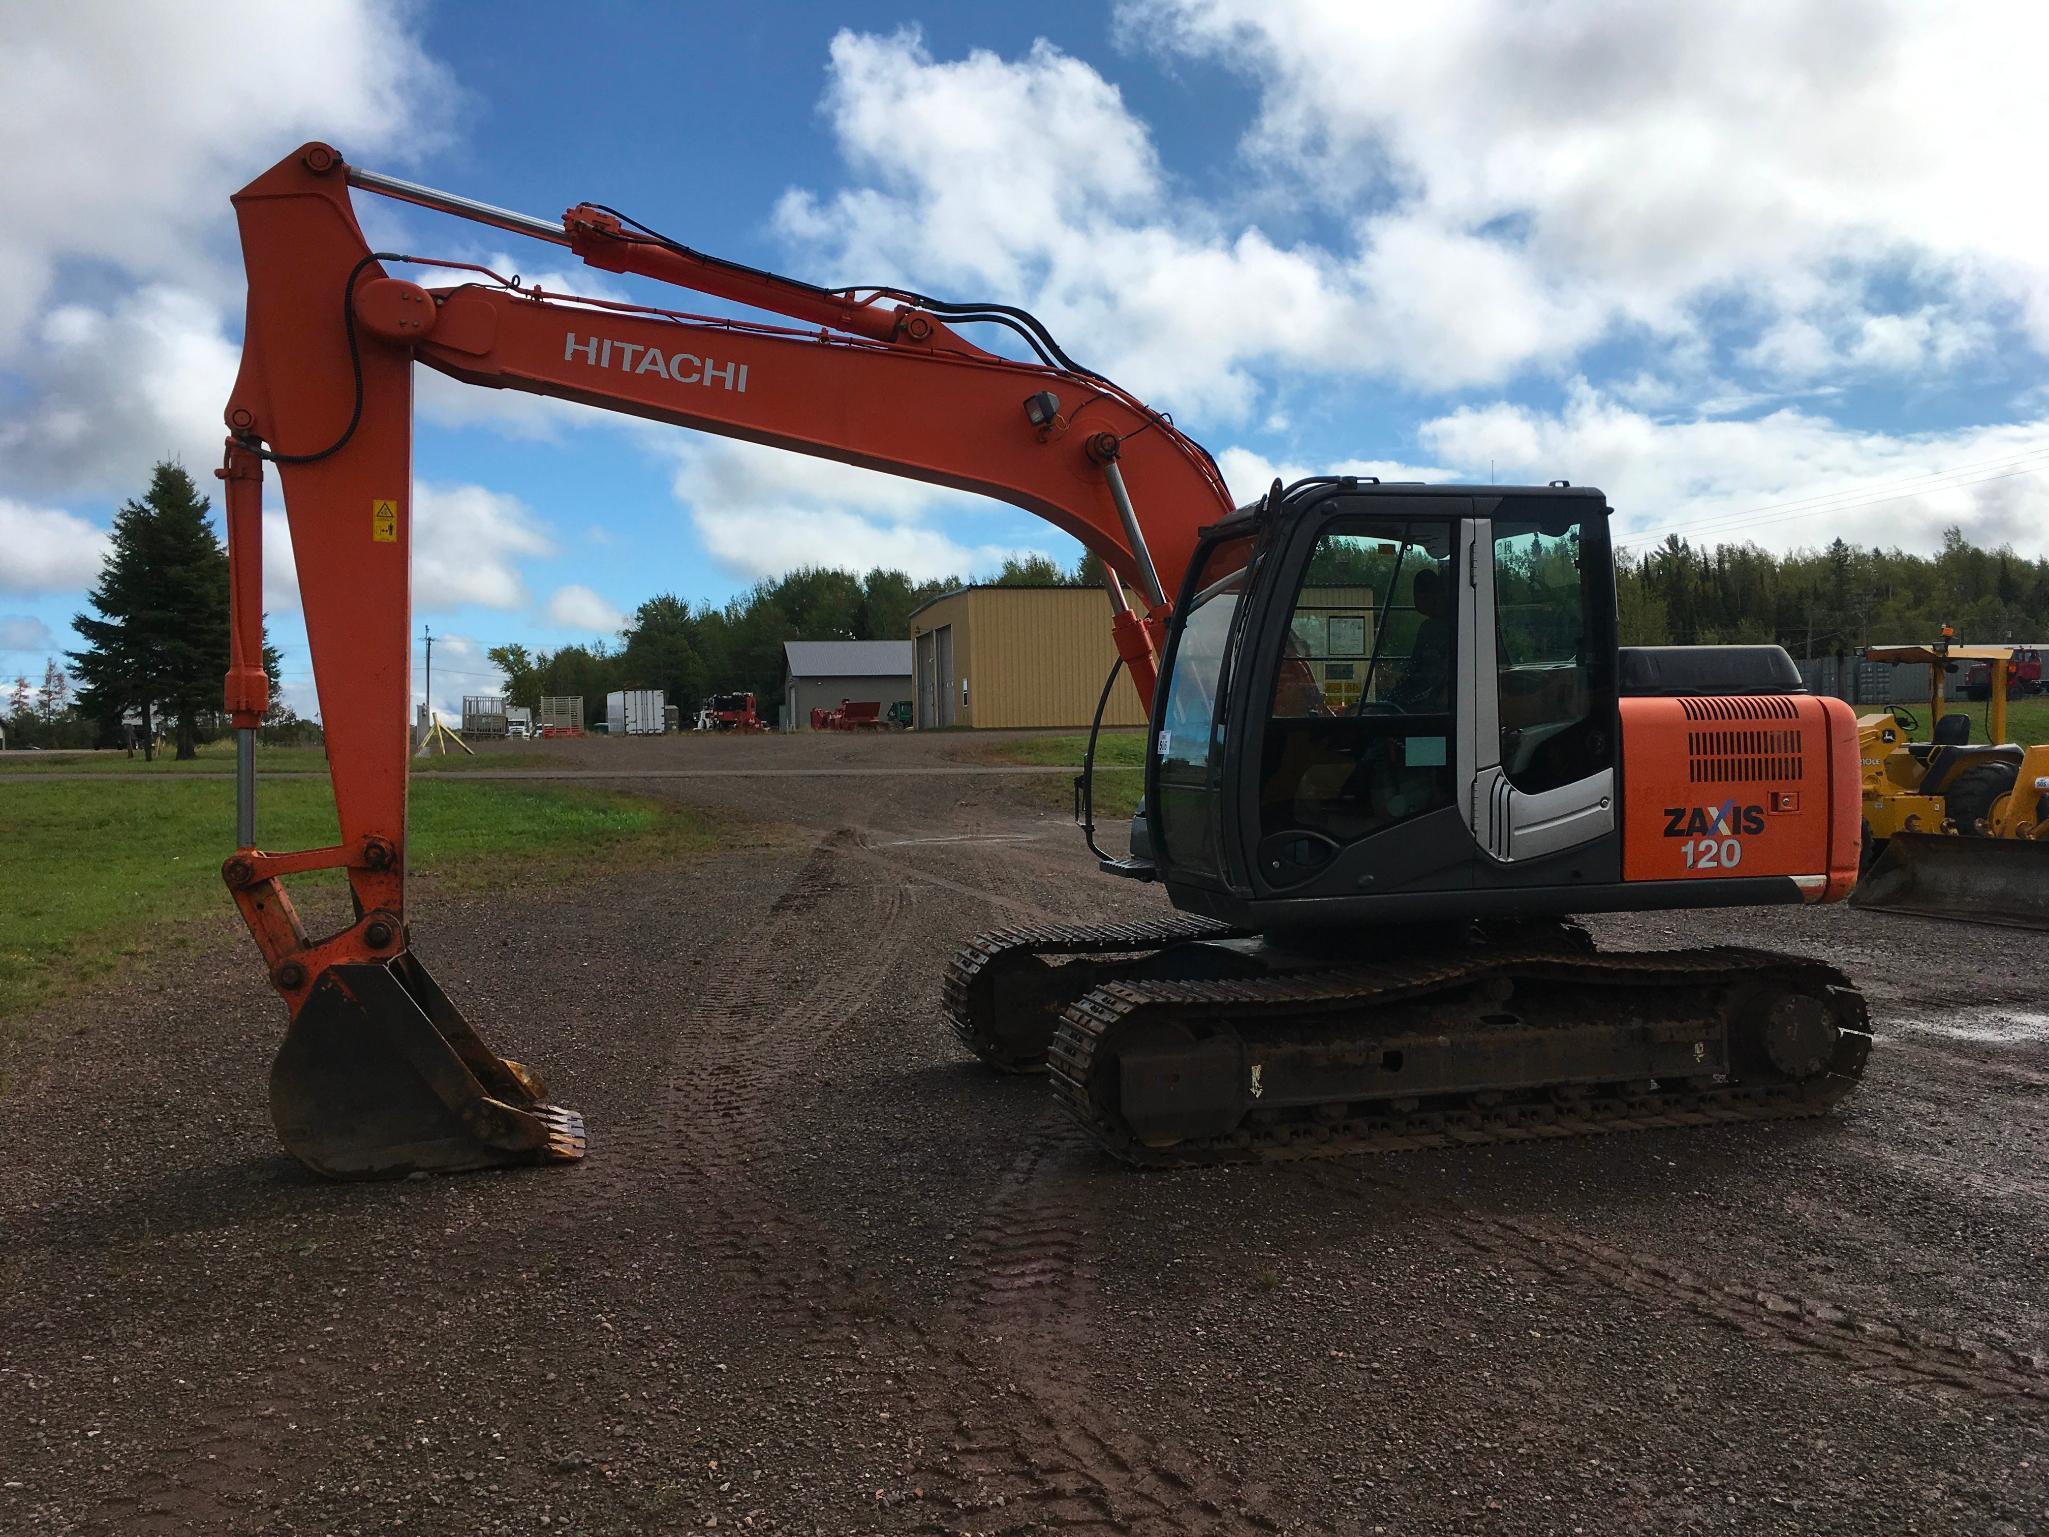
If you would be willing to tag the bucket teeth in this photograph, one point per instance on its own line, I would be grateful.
(566, 1140)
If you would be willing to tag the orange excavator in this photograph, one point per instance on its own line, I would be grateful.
(1393, 741)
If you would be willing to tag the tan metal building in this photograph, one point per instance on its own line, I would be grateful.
(1017, 656)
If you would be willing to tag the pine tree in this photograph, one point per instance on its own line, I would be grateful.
(161, 641)
(56, 692)
(21, 720)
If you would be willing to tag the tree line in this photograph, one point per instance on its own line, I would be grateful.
(690, 651)
(156, 644)
(1829, 602)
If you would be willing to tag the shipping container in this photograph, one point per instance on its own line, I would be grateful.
(483, 715)
(633, 712)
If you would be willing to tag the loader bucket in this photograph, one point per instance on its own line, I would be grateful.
(381, 1076)
(1971, 880)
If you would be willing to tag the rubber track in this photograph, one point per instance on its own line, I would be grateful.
(1086, 1023)
(999, 946)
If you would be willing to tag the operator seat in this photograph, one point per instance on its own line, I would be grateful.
(1953, 730)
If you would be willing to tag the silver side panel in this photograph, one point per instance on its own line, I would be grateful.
(1479, 737)
(1518, 826)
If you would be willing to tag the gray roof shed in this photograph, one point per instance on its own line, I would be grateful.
(848, 658)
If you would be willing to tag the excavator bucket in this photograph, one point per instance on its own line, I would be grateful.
(381, 1076)
(1971, 880)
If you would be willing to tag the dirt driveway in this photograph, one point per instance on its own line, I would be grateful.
(820, 1274)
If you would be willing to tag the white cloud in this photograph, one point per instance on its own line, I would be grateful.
(764, 511)
(770, 542)
(1249, 473)
(116, 304)
(466, 540)
(117, 389)
(102, 128)
(1785, 480)
(43, 549)
(25, 632)
(1634, 162)
(1030, 181)
(280, 566)
(576, 607)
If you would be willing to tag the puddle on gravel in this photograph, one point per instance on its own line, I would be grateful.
(1995, 1027)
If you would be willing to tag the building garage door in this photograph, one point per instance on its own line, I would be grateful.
(928, 688)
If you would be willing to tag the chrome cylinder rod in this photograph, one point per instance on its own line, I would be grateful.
(1149, 579)
(1114, 585)
(245, 788)
(461, 207)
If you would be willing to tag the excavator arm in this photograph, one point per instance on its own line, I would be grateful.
(379, 1073)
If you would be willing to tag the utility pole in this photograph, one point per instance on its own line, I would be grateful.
(429, 629)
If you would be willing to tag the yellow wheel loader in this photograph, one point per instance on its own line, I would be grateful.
(1953, 828)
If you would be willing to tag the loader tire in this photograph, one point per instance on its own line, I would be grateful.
(1970, 800)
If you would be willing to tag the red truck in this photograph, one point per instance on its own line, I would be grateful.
(2024, 674)
(732, 712)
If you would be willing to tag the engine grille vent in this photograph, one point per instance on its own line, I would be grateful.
(1743, 757)
(1741, 707)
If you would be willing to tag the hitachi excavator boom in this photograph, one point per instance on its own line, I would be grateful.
(379, 1073)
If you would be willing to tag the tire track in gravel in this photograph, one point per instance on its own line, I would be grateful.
(1872, 1349)
(1034, 1448)
(717, 1118)
(1029, 1264)
(989, 1436)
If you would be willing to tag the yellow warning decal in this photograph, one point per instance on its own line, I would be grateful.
(384, 520)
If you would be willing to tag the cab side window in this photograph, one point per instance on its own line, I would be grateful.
(1552, 708)
(1359, 733)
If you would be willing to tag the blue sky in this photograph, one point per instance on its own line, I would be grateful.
(1775, 272)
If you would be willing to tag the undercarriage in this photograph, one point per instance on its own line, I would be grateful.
(1187, 1043)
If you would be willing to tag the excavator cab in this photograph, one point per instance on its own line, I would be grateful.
(1371, 689)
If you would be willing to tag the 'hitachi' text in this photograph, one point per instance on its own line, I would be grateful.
(638, 358)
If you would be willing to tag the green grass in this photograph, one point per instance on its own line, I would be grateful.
(219, 758)
(95, 876)
(1120, 769)
(1114, 749)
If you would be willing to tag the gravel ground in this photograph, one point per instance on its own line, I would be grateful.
(819, 1274)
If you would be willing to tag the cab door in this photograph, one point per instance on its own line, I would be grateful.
(1541, 696)
(1351, 759)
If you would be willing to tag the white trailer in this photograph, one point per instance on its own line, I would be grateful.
(634, 712)
(519, 720)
